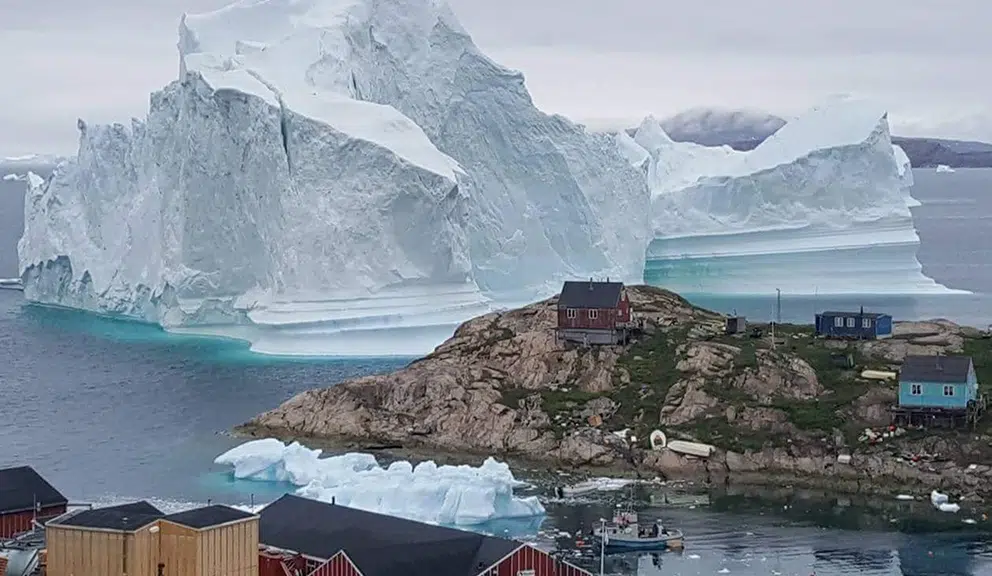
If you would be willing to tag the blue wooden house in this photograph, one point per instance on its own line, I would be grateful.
(937, 390)
(861, 325)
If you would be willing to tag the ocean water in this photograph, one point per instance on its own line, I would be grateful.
(112, 411)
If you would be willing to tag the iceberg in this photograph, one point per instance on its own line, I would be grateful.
(825, 198)
(12, 177)
(449, 495)
(325, 171)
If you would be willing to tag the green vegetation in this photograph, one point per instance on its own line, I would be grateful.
(718, 431)
(980, 350)
(832, 361)
(651, 364)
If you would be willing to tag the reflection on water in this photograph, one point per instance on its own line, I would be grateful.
(788, 533)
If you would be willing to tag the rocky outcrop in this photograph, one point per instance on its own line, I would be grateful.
(503, 384)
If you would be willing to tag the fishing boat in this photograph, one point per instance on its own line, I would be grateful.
(628, 533)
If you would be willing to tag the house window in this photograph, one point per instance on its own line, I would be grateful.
(866, 322)
(916, 389)
(593, 314)
(526, 573)
(948, 390)
(570, 313)
(839, 322)
(850, 322)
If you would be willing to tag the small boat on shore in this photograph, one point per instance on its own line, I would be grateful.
(626, 532)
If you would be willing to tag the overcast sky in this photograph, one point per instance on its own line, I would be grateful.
(603, 62)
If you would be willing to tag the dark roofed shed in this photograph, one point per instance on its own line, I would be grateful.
(23, 489)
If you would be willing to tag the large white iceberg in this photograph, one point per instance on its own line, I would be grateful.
(821, 206)
(330, 168)
(451, 495)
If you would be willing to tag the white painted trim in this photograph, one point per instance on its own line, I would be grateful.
(503, 559)
(267, 547)
(346, 557)
(525, 545)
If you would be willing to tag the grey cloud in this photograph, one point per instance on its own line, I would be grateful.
(596, 61)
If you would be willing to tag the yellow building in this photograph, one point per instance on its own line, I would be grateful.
(139, 540)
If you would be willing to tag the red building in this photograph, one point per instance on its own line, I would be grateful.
(594, 312)
(330, 540)
(24, 497)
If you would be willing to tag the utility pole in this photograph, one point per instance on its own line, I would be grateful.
(602, 546)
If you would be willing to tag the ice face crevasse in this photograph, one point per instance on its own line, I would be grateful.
(820, 207)
(547, 200)
(281, 182)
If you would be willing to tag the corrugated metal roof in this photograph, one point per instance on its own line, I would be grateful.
(590, 294)
(940, 369)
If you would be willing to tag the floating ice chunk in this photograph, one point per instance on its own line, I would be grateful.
(453, 495)
(944, 169)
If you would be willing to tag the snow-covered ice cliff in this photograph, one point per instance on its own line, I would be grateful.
(821, 206)
(327, 168)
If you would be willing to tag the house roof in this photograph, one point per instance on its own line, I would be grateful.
(123, 518)
(941, 369)
(853, 313)
(208, 516)
(379, 545)
(590, 294)
(21, 488)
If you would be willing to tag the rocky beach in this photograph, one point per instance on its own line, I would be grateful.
(782, 411)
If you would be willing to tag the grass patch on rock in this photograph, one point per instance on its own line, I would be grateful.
(716, 430)
(651, 364)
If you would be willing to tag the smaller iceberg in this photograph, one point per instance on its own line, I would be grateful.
(944, 169)
(448, 495)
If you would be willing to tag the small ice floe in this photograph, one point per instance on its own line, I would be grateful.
(693, 556)
(723, 571)
(940, 502)
(905, 497)
(970, 521)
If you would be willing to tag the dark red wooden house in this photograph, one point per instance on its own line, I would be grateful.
(594, 312)
(24, 497)
(330, 540)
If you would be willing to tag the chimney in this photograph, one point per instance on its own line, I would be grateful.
(590, 284)
(940, 366)
(862, 310)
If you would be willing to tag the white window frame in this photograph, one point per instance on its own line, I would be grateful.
(866, 322)
(593, 314)
(916, 389)
(570, 313)
(949, 390)
(850, 322)
(838, 321)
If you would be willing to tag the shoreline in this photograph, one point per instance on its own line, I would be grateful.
(800, 409)
(977, 497)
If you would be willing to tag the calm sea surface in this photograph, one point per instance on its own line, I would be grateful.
(110, 410)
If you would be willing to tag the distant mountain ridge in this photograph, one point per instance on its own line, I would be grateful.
(745, 129)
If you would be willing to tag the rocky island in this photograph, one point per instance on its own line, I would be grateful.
(782, 411)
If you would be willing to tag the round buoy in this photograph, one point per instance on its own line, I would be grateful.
(658, 440)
